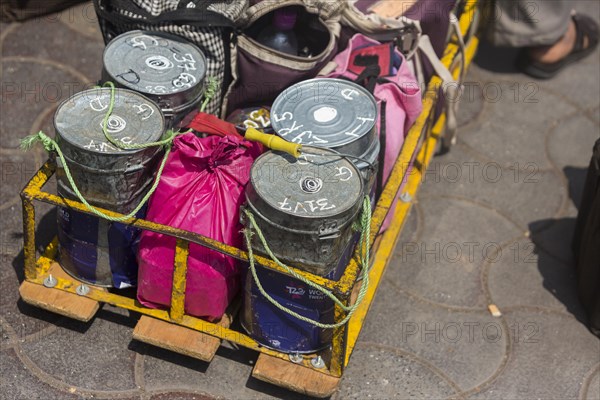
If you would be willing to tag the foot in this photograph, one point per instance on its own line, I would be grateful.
(560, 49)
(578, 42)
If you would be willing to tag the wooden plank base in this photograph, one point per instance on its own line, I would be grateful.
(179, 339)
(58, 301)
(294, 377)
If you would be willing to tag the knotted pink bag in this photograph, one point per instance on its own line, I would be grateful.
(200, 190)
(402, 97)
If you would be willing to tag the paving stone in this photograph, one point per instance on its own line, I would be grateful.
(227, 375)
(581, 92)
(16, 169)
(180, 396)
(593, 388)
(18, 383)
(555, 239)
(493, 63)
(30, 89)
(546, 363)
(594, 113)
(92, 356)
(580, 134)
(508, 134)
(389, 375)
(445, 267)
(467, 347)
(512, 192)
(471, 102)
(11, 237)
(24, 320)
(82, 19)
(412, 227)
(47, 38)
(527, 276)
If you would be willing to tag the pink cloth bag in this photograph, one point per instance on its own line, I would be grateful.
(200, 190)
(402, 95)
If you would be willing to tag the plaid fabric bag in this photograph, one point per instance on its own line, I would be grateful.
(208, 24)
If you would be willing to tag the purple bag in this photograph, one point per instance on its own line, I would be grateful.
(261, 73)
(398, 97)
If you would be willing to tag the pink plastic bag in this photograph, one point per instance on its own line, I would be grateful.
(402, 96)
(200, 190)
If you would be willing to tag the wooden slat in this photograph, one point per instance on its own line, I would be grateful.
(180, 339)
(294, 377)
(58, 301)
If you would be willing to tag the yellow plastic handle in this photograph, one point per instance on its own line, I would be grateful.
(273, 142)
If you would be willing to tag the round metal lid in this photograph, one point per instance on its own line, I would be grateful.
(134, 119)
(324, 112)
(316, 185)
(154, 63)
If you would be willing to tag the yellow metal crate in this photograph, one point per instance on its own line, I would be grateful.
(174, 330)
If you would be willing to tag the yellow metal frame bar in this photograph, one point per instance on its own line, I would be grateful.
(345, 337)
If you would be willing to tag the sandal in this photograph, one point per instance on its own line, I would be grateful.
(585, 27)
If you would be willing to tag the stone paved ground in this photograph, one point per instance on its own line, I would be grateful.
(492, 224)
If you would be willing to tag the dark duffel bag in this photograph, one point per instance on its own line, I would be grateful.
(586, 244)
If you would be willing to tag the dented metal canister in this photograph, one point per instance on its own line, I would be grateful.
(331, 113)
(95, 250)
(306, 206)
(166, 68)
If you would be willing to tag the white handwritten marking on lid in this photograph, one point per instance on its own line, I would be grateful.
(348, 93)
(325, 114)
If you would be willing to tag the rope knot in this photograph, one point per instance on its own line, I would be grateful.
(28, 141)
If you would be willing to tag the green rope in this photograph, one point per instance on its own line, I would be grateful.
(365, 238)
(212, 85)
(166, 141)
(50, 145)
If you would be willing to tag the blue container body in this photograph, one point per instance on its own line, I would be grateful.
(98, 251)
(278, 330)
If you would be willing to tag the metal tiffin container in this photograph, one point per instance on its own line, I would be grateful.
(106, 175)
(93, 249)
(331, 113)
(305, 207)
(165, 68)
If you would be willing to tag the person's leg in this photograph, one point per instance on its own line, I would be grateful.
(527, 23)
(551, 36)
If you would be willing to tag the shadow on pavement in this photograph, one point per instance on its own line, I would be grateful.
(496, 59)
(44, 233)
(561, 281)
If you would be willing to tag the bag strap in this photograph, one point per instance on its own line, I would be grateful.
(383, 144)
(450, 87)
(368, 76)
(452, 103)
(199, 16)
